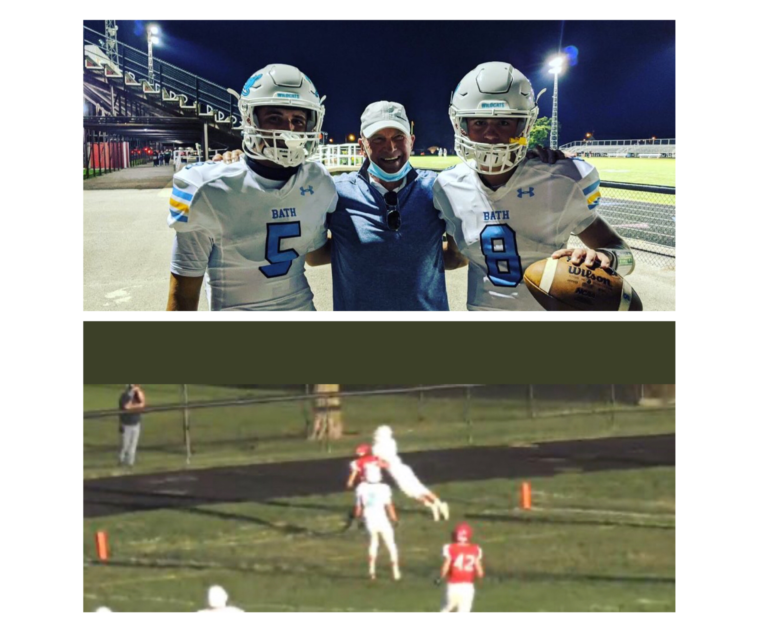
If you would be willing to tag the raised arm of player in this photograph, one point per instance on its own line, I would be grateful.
(452, 257)
(352, 478)
(184, 293)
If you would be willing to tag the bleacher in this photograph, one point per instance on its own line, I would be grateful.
(631, 148)
(124, 89)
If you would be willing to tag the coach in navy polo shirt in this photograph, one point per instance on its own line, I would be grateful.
(387, 250)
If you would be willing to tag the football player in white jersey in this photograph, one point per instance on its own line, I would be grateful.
(374, 504)
(247, 226)
(385, 448)
(505, 211)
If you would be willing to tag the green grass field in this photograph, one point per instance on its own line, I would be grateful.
(598, 542)
(276, 432)
(657, 172)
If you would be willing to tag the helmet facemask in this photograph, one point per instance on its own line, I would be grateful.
(284, 147)
(492, 158)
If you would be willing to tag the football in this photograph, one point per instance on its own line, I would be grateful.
(558, 285)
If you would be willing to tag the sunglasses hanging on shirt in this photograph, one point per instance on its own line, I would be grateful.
(393, 214)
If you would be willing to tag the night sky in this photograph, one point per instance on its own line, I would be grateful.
(622, 84)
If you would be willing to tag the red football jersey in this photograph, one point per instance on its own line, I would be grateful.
(360, 465)
(463, 558)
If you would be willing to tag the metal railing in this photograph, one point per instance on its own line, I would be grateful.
(273, 422)
(339, 156)
(644, 216)
(174, 79)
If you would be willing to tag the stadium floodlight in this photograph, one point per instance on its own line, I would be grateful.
(152, 39)
(351, 138)
(556, 68)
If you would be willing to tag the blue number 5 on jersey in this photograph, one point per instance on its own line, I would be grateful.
(501, 258)
(280, 260)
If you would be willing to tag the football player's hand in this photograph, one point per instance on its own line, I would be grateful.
(587, 256)
(546, 155)
(395, 523)
(437, 581)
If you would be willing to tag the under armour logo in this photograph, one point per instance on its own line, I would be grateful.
(307, 190)
(521, 192)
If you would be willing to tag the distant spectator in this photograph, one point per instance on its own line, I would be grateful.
(132, 402)
(167, 156)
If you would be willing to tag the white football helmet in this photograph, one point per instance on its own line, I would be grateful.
(382, 433)
(217, 597)
(493, 90)
(282, 86)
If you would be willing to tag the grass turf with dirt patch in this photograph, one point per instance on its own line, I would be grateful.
(601, 541)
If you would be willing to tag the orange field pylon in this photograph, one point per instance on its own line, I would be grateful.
(525, 495)
(102, 550)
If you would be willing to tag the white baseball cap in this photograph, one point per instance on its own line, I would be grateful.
(383, 114)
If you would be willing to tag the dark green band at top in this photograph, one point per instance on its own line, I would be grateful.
(377, 352)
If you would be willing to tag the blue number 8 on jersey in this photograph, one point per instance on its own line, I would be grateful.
(500, 250)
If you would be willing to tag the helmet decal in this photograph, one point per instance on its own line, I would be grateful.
(250, 83)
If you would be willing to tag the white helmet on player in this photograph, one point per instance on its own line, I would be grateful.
(493, 90)
(217, 597)
(382, 433)
(281, 86)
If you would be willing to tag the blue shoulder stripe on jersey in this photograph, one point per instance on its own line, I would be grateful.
(592, 188)
(182, 195)
(178, 216)
(595, 204)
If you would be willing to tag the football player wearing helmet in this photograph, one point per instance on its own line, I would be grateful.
(462, 562)
(387, 251)
(246, 226)
(374, 505)
(507, 209)
(385, 448)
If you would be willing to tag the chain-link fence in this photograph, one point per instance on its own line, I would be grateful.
(207, 426)
(644, 216)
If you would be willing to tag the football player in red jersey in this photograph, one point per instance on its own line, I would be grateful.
(365, 460)
(462, 562)
(359, 469)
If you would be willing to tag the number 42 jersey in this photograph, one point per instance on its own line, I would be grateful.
(502, 232)
(248, 234)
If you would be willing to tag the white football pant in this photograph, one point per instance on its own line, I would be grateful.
(458, 598)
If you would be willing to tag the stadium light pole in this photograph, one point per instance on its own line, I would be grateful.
(152, 39)
(556, 68)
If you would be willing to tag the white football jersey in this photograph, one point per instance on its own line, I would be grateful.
(502, 232)
(374, 497)
(248, 237)
(386, 450)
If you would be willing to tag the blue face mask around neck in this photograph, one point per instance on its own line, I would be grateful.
(377, 172)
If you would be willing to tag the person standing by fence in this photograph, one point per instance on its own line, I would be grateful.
(132, 403)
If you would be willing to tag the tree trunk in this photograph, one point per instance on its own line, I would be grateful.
(327, 411)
